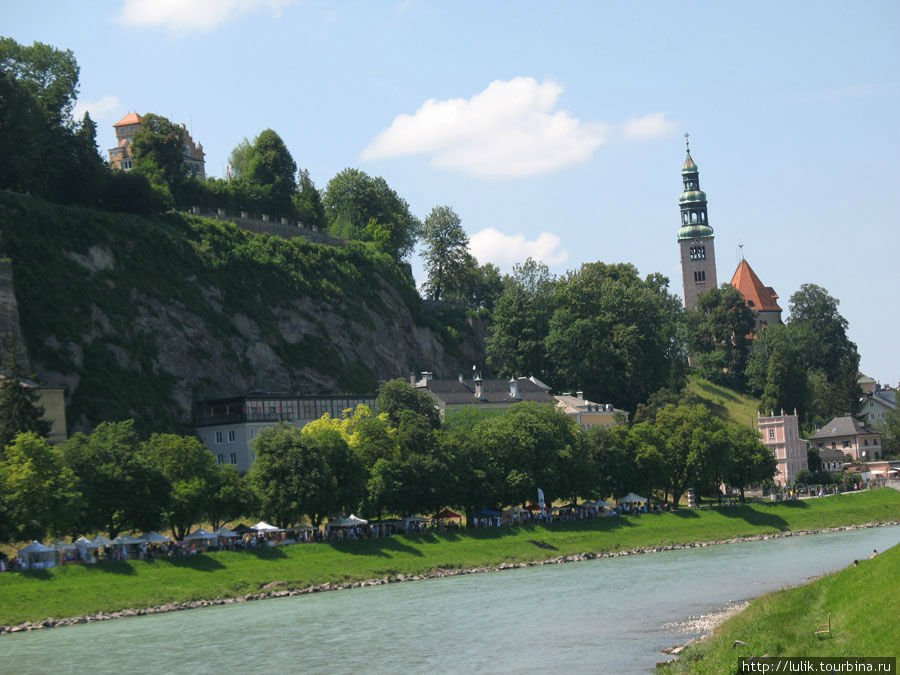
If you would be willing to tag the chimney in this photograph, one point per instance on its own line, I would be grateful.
(514, 389)
(461, 379)
(579, 394)
(478, 393)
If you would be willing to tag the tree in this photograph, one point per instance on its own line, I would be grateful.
(37, 489)
(49, 74)
(158, 148)
(120, 490)
(360, 207)
(20, 406)
(611, 334)
(520, 321)
(344, 464)
(395, 396)
(750, 461)
(474, 285)
(230, 498)
(271, 167)
(695, 448)
(239, 159)
(308, 203)
(719, 334)
(191, 470)
(446, 247)
(290, 477)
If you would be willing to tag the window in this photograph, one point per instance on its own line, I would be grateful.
(231, 437)
(871, 404)
(882, 415)
(219, 437)
(698, 253)
(866, 442)
(846, 444)
(252, 434)
(252, 457)
(874, 441)
(233, 458)
(220, 459)
(771, 433)
(699, 276)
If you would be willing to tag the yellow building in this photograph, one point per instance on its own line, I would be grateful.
(54, 402)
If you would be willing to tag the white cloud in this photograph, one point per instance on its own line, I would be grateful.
(102, 109)
(187, 16)
(510, 129)
(648, 126)
(505, 250)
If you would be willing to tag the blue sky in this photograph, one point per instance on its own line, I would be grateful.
(554, 129)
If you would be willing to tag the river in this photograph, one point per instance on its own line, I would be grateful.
(599, 616)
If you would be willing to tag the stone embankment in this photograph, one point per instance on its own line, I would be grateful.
(270, 590)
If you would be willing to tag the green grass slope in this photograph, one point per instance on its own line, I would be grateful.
(863, 602)
(725, 403)
(74, 590)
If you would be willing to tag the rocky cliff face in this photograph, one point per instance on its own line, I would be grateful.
(143, 318)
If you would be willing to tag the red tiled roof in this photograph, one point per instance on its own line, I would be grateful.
(759, 297)
(130, 118)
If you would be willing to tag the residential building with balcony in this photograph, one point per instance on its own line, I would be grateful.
(850, 436)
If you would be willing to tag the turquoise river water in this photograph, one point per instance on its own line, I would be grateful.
(598, 616)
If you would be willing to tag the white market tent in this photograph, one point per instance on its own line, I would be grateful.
(350, 521)
(200, 534)
(127, 540)
(155, 538)
(84, 542)
(632, 498)
(37, 556)
(63, 546)
(100, 540)
(263, 526)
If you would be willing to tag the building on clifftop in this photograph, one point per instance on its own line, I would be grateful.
(121, 157)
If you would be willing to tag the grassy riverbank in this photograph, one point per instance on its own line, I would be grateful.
(864, 606)
(74, 590)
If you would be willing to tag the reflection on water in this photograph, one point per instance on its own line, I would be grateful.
(607, 616)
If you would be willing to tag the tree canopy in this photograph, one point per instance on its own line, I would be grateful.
(364, 208)
(20, 406)
(446, 249)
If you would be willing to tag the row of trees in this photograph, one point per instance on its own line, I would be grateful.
(808, 363)
(402, 461)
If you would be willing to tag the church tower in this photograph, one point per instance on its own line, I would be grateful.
(695, 237)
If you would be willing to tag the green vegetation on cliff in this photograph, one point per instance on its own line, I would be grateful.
(128, 307)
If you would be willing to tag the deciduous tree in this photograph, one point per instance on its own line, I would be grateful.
(20, 406)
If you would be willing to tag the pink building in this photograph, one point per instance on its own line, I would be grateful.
(781, 434)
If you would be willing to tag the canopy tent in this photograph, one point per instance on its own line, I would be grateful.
(100, 540)
(37, 556)
(599, 504)
(225, 532)
(349, 521)
(446, 514)
(299, 528)
(242, 529)
(63, 546)
(632, 498)
(199, 534)
(127, 540)
(263, 526)
(486, 512)
(84, 542)
(155, 538)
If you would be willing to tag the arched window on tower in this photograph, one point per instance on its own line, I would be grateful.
(684, 217)
(693, 216)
